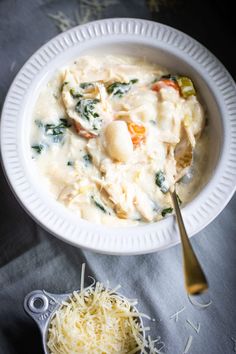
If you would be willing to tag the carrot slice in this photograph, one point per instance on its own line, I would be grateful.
(83, 132)
(137, 132)
(164, 83)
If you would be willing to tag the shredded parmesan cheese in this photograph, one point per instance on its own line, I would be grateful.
(82, 277)
(154, 5)
(152, 345)
(175, 316)
(63, 22)
(86, 11)
(97, 320)
(188, 344)
(13, 65)
(194, 302)
(234, 341)
(196, 328)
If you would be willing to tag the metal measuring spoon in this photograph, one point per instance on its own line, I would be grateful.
(41, 306)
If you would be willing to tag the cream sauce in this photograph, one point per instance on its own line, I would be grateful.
(111, 177)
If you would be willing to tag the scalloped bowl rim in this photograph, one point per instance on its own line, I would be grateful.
(54, 217)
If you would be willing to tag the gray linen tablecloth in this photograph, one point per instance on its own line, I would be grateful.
(33, 259)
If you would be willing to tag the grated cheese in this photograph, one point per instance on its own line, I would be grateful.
(12, 67)
(196, 328)
(82, 277)
(153, 343)
(194, 302)
(63, 22)
(97, 320)
(155, 5)
(234, 341)
(175, 316)
(188, 344)
(86, 11)
(92, 9)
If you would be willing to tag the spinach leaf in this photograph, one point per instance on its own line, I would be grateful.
(87, 159)
(120, 88)
(154, 80)
(70, 163)
(38, 148)
(65, 122)
(86, 85)
(54, 133)
(167, 76)
(153, 122)
(53, 129)
(86, 107)
(161, 182)
(75, 94)
(38, 123)
(133, 81)
(64, 83)
(166, 211)
(170, 77)
(98, 204)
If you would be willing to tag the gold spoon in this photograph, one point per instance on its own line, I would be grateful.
(195, 280)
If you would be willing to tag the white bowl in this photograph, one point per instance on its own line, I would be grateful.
(157, 42)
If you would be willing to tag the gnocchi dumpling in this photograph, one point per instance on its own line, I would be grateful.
(195, 112)
(118, 141)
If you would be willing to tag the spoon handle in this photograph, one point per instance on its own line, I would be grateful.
(195, 280)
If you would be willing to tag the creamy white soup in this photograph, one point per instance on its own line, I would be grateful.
(110, 135)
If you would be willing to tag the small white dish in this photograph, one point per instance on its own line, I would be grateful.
(165, 45)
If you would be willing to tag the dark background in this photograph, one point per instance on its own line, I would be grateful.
(31, 259)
